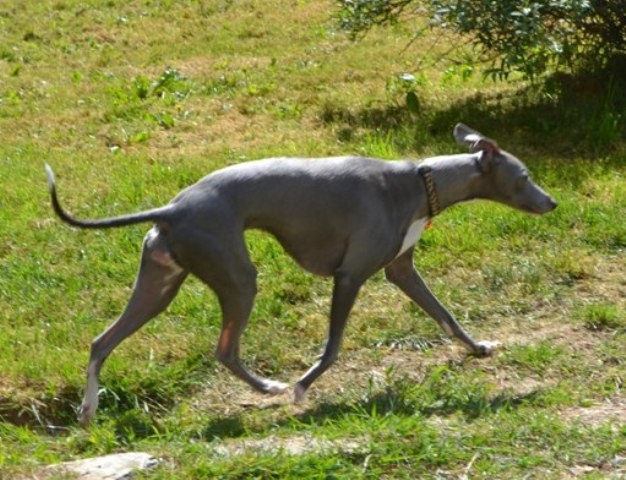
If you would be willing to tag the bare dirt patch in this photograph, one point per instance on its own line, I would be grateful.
(293, 445)
(613, 412)
(607, 282)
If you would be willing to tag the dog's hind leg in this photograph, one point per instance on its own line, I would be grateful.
(236, 304)
(224, 265)
(157, 283)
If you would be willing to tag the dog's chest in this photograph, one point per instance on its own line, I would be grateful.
(413, 234)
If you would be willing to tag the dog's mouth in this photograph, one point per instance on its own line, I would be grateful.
(540, 209)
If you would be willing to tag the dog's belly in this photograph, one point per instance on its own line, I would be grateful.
(412, 235)
(321, 260)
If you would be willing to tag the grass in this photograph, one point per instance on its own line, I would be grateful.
(132, 101)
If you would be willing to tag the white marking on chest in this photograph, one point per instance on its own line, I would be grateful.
(412, 234)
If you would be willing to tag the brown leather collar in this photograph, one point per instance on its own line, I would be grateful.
(433, 203)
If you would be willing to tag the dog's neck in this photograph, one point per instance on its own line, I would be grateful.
(454, 179)
(431, 193)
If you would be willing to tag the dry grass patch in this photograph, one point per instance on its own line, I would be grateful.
(612, 411)
(293, 445)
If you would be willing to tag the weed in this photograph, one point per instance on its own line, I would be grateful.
(536, 358)
(602, 317)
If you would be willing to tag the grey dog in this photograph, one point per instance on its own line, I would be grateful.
(342, 217)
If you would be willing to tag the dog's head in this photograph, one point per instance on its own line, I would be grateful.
(505, 178)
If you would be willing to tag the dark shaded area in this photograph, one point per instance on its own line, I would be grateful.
(137, 413)
(394, 401)
(136, 406)
(50, 412)
(374, 118)
(224, 427)
(585, 115)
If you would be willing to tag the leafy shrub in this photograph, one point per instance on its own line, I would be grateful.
(530, 37)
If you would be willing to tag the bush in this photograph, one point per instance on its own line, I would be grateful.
(530, 37)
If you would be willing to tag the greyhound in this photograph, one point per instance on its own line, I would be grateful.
(342, 217)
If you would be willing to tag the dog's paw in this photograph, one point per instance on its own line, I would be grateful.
(273, 387)
(86, 413)
(486, 348)
(299, 393)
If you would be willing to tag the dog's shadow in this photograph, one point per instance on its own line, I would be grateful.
(390, 401)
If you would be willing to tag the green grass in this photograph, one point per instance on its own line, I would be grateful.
(132, 101)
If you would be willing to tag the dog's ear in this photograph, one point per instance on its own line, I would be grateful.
(478, 143)
(489, 154)
(464, 134)
(486, 160)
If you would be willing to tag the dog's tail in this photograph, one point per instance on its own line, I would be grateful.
(160, 214)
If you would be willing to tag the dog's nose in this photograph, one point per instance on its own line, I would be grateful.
(552, 204)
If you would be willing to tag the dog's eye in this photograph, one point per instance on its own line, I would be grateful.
(521, 182)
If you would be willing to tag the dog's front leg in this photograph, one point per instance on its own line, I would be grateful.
(402, 273)
(345, 290)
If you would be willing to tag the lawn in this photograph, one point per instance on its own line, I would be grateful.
(132, 101)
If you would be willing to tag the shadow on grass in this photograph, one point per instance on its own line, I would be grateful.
(135, 404)
(441, 395)
(379, 405)
(225, 427)
(395, 402)
(50, 412)
(136, 412)
(584, 116)
(58, 412)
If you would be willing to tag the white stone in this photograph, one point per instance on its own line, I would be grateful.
(117, 466)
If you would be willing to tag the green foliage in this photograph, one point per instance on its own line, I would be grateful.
(530, 37)
(358, 16)
(533, 37)
(537, 358)
(603, 317)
